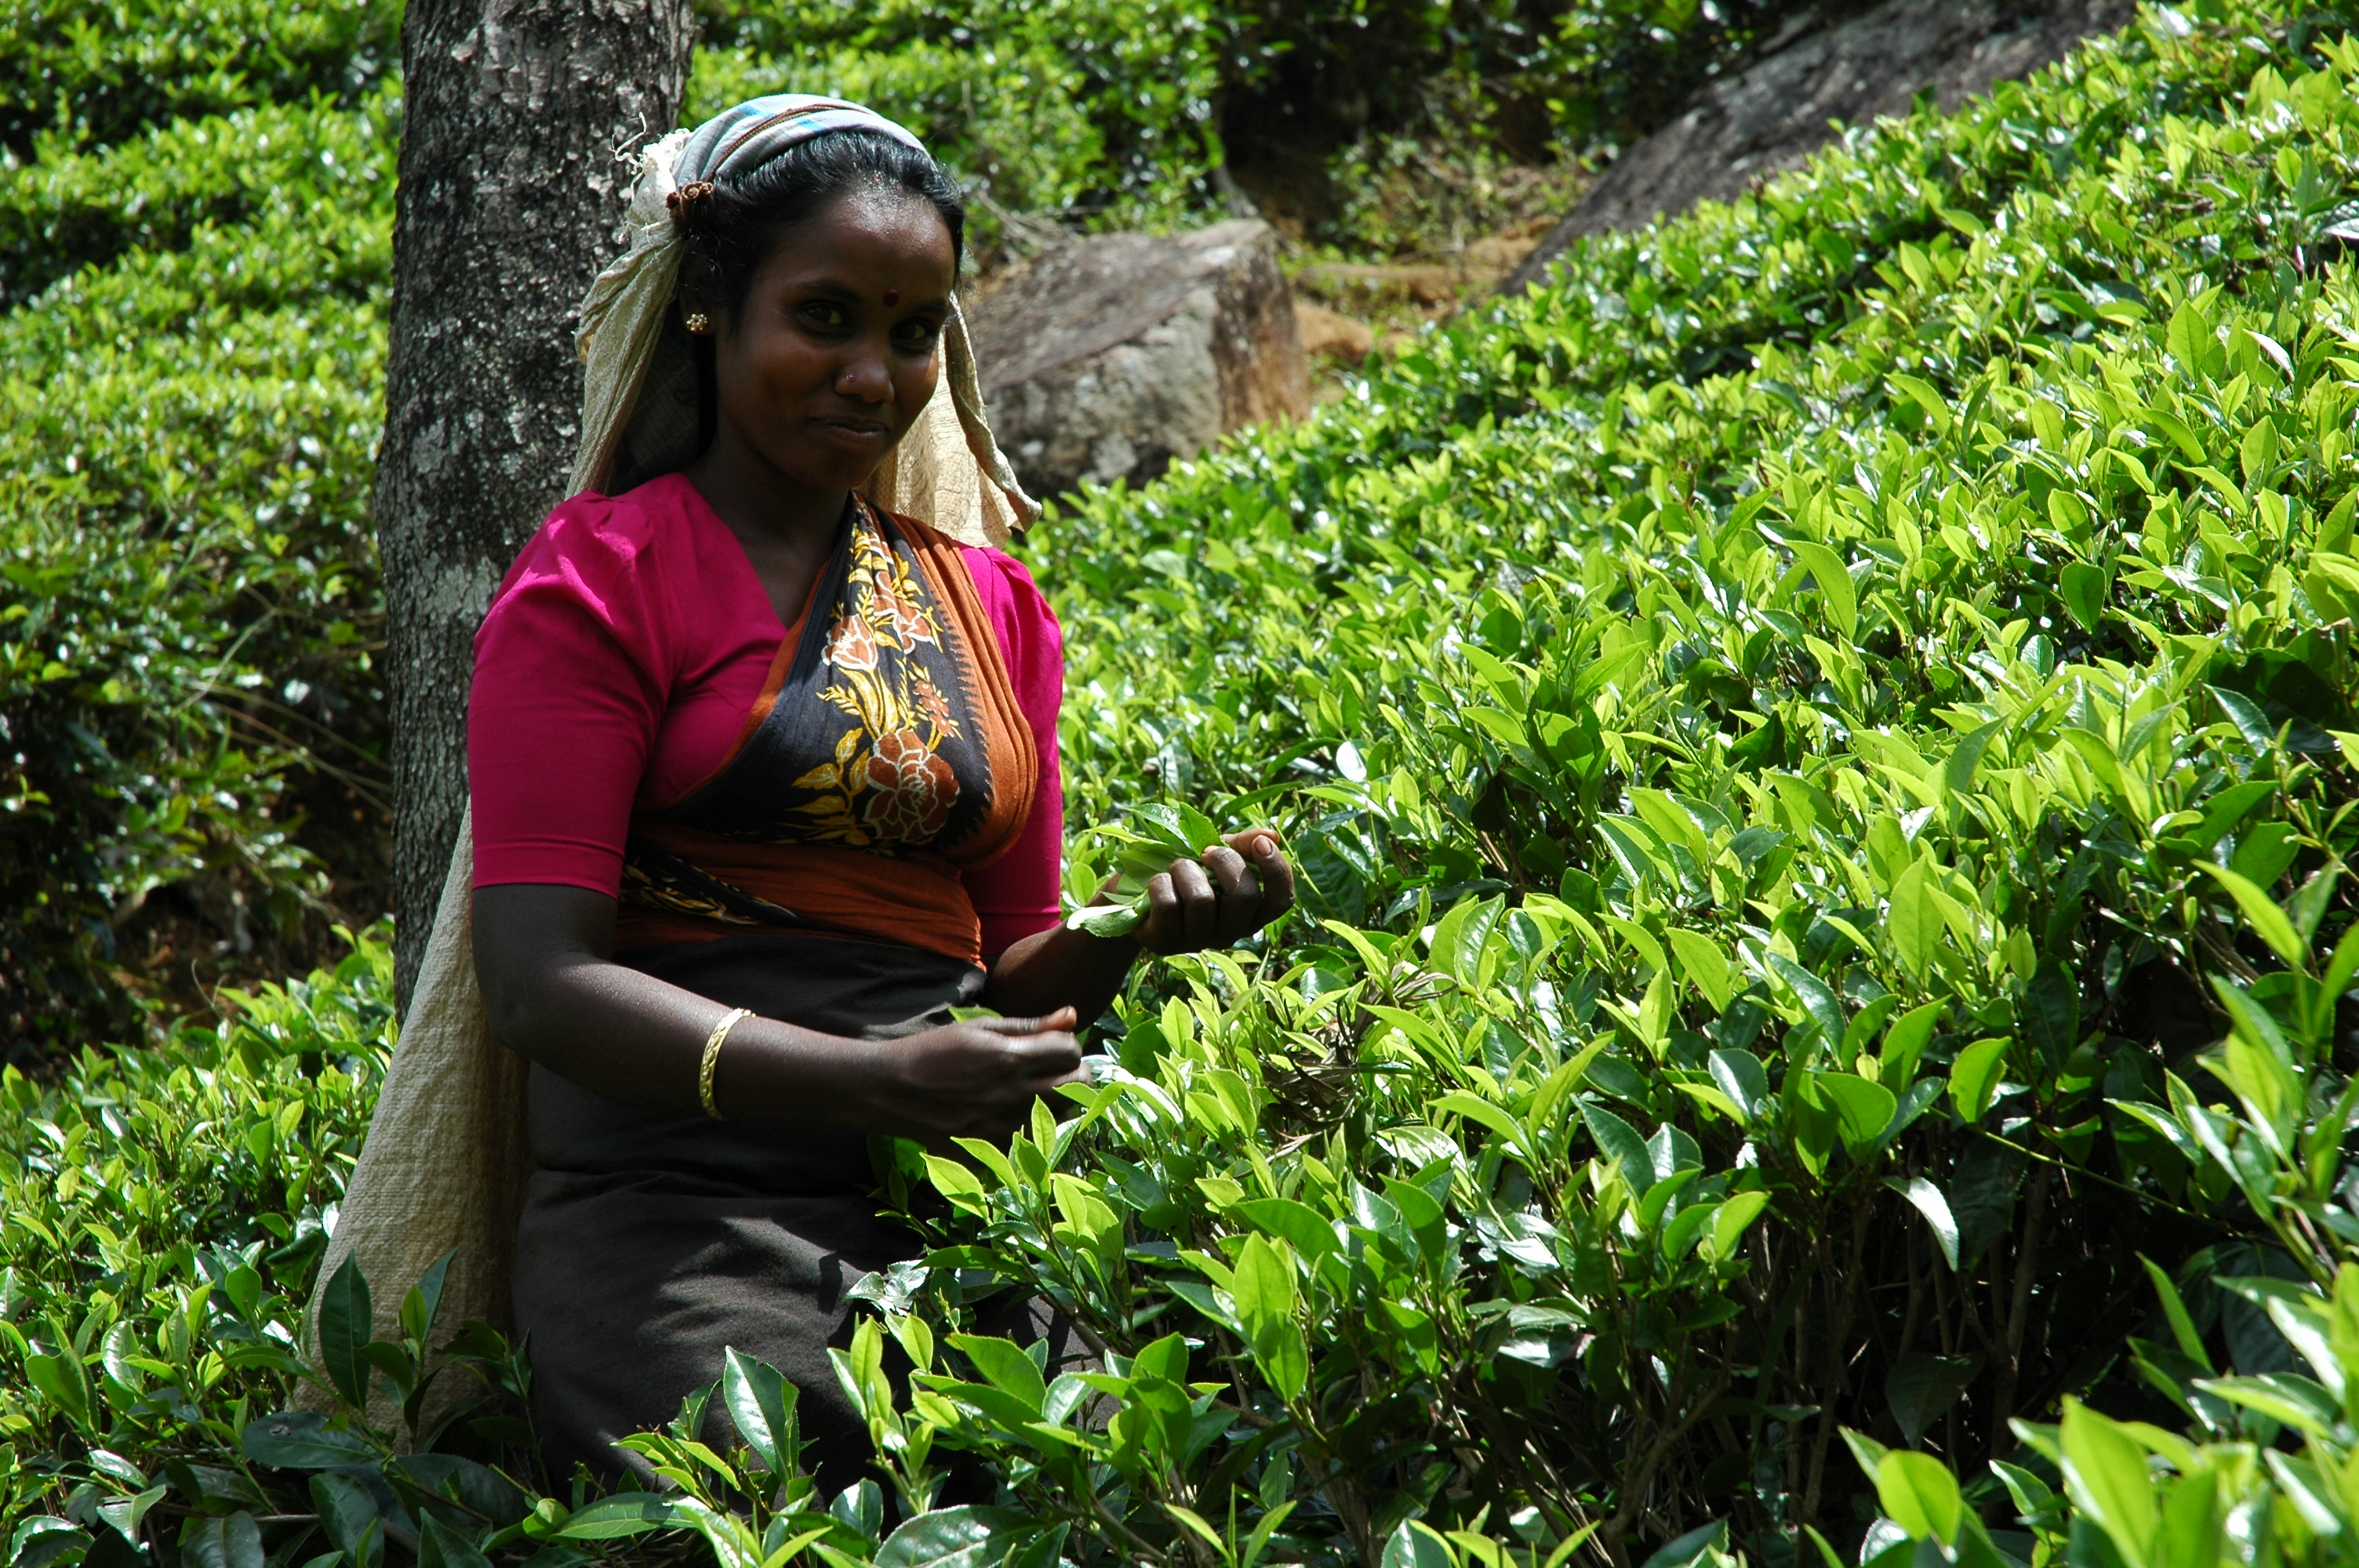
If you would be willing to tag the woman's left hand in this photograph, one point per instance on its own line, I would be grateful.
(1219, 899)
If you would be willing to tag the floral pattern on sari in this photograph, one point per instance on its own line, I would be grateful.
(887, 783)
(873, 739)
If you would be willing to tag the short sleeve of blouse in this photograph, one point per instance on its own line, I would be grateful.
(570, 662)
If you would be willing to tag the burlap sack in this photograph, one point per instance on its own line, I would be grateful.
(443, 1168)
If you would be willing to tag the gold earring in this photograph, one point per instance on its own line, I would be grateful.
(698, 321)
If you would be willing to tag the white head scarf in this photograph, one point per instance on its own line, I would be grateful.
(639, 415)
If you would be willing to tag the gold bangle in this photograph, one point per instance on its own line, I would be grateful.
(713, 1058)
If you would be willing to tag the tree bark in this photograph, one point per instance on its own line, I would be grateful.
(522, 121)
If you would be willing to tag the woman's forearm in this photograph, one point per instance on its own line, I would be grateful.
(1060, 967)
(552, 993)
(639, 1041)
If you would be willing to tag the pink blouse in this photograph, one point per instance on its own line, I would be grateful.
(616, 666)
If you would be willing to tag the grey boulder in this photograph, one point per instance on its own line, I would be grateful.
(1772, 116)
(1112, 356)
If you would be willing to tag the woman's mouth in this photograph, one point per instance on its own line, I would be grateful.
(855, 432)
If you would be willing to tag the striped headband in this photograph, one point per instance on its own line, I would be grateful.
(740, 140)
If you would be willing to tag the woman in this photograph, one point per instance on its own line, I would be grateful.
(764, 781)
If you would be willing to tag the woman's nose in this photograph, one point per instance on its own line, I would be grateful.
(866, 376)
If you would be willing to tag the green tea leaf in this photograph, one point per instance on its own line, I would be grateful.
(1915, 921)
(345, 1331)
(761, 1404)
(1904, 1042)
(2084, 590)
(1966, 758)
(1735, 1215)
(955, 1182)
(1742, 1078)
(235, 1541)
(1817, 1001)
(1004, 1365)
(63, 1382)
(2104, 1470)
(1704, 966)
(1920, 1495)
(1413, 1545)
(1927, 1199)
(2261, 912)
(1618, 1140)
(1864, 1108)
(1975, 1077)
(1921, 1387)
(302, 1440)
(440, 1546)
(349, 1516)
(1835, 587)
(967, 1536)
(2182, 1327)
(424, 1299)
(1297, 1223)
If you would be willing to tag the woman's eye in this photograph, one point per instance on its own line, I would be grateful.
(824, 315)
(918, 335)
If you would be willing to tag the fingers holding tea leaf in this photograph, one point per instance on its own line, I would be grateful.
(1238, 891)
(1266, 851)
(1181, 884)
(975, 1076)
(1182, 910)
(1109, 919)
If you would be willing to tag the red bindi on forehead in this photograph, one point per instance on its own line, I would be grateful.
(892, 297)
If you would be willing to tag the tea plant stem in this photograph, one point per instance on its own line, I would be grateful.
(1634, 1501)
(1908, 1317)
(1542, 1485)
(1831, 1386)
(2026, 1267)
(1138, 1550)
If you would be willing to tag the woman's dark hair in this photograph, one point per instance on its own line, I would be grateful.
(734, 221)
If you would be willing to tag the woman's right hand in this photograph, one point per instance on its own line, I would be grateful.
(972, 1080)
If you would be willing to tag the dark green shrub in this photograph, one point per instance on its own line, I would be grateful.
(276, 163)
(96, 74)
(192, 592)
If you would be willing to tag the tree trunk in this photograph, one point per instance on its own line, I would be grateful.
(523, 120)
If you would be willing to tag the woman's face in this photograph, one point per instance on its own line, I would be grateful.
(835, 350)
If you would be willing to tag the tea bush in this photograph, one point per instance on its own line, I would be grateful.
(94, 74)
(1821, 745)
(187, 432)
(163, 1212)
(1855, 753)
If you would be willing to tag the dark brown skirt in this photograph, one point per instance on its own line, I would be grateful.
(650, 1243)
